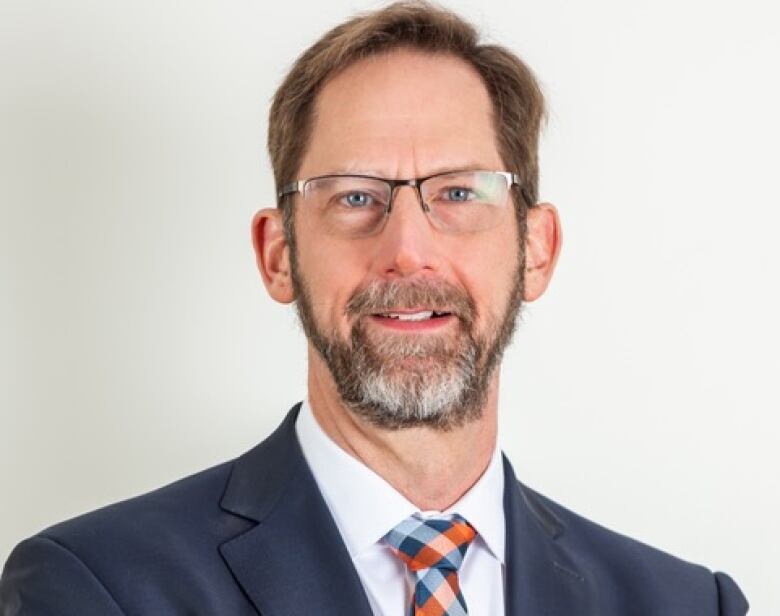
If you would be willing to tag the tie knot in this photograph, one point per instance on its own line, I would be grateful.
(439, 542)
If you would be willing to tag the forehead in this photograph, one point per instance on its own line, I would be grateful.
(402, 112)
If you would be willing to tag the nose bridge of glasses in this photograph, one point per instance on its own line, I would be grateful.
(398, 184)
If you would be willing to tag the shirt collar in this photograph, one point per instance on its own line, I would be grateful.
(365, 506)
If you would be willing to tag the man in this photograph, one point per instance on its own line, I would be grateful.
(407, 232)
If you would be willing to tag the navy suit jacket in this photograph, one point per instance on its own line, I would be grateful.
(254, 536)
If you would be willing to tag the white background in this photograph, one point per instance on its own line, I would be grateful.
(137, 344)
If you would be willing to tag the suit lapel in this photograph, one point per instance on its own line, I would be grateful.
(294, 560)
(542, 576)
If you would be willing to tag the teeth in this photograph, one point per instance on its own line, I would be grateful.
(414, 316)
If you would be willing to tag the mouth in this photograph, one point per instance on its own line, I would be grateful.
(412, 315)
(415, 320)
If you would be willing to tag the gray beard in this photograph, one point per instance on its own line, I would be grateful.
(401, 381)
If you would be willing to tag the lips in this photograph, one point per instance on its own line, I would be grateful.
(417, 304)
(416, 315)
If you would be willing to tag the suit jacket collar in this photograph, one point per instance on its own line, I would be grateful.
(294, 558)
(542, 575)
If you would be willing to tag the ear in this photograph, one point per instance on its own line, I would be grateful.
(273, 254)
(542, 247)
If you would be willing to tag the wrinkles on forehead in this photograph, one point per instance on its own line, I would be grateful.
(402, 114)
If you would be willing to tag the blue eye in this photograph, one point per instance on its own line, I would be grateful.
(358, 199)
(459, 194)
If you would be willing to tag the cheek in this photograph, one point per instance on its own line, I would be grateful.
(330, 278)
(490, 291)
(489, 272)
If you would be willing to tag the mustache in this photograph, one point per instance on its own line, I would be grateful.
(385, 296)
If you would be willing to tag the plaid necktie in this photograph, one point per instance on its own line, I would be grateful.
(433, 549)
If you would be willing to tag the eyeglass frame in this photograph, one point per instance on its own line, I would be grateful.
(512, 179)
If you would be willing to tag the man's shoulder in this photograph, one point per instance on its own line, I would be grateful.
(631, 567)
(577, 531)
(165, 539)
(181, 517)
(191, 514)
(593, 541)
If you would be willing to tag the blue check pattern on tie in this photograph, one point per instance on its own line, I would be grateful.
(433, 550)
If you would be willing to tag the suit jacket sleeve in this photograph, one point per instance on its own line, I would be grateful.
(43, 578)
(730, 598)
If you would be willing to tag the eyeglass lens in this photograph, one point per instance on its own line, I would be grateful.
(460, 202)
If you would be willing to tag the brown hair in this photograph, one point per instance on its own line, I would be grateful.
(518, 103)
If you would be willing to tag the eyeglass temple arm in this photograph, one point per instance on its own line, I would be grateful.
(288, 189)
(515, 180)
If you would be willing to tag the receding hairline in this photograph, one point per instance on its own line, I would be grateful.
(387, 55)
(517, 102)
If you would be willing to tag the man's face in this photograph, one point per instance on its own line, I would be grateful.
(402, 115)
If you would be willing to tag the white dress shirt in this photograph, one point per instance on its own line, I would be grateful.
(365, 507)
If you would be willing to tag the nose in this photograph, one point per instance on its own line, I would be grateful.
(408, 244)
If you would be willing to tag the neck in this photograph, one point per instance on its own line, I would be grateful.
(431, 468)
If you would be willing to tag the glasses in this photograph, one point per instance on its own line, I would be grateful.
(456, 202)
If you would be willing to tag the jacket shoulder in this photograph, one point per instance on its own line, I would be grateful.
(188, 503)
(131, 554)
(632, 569)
